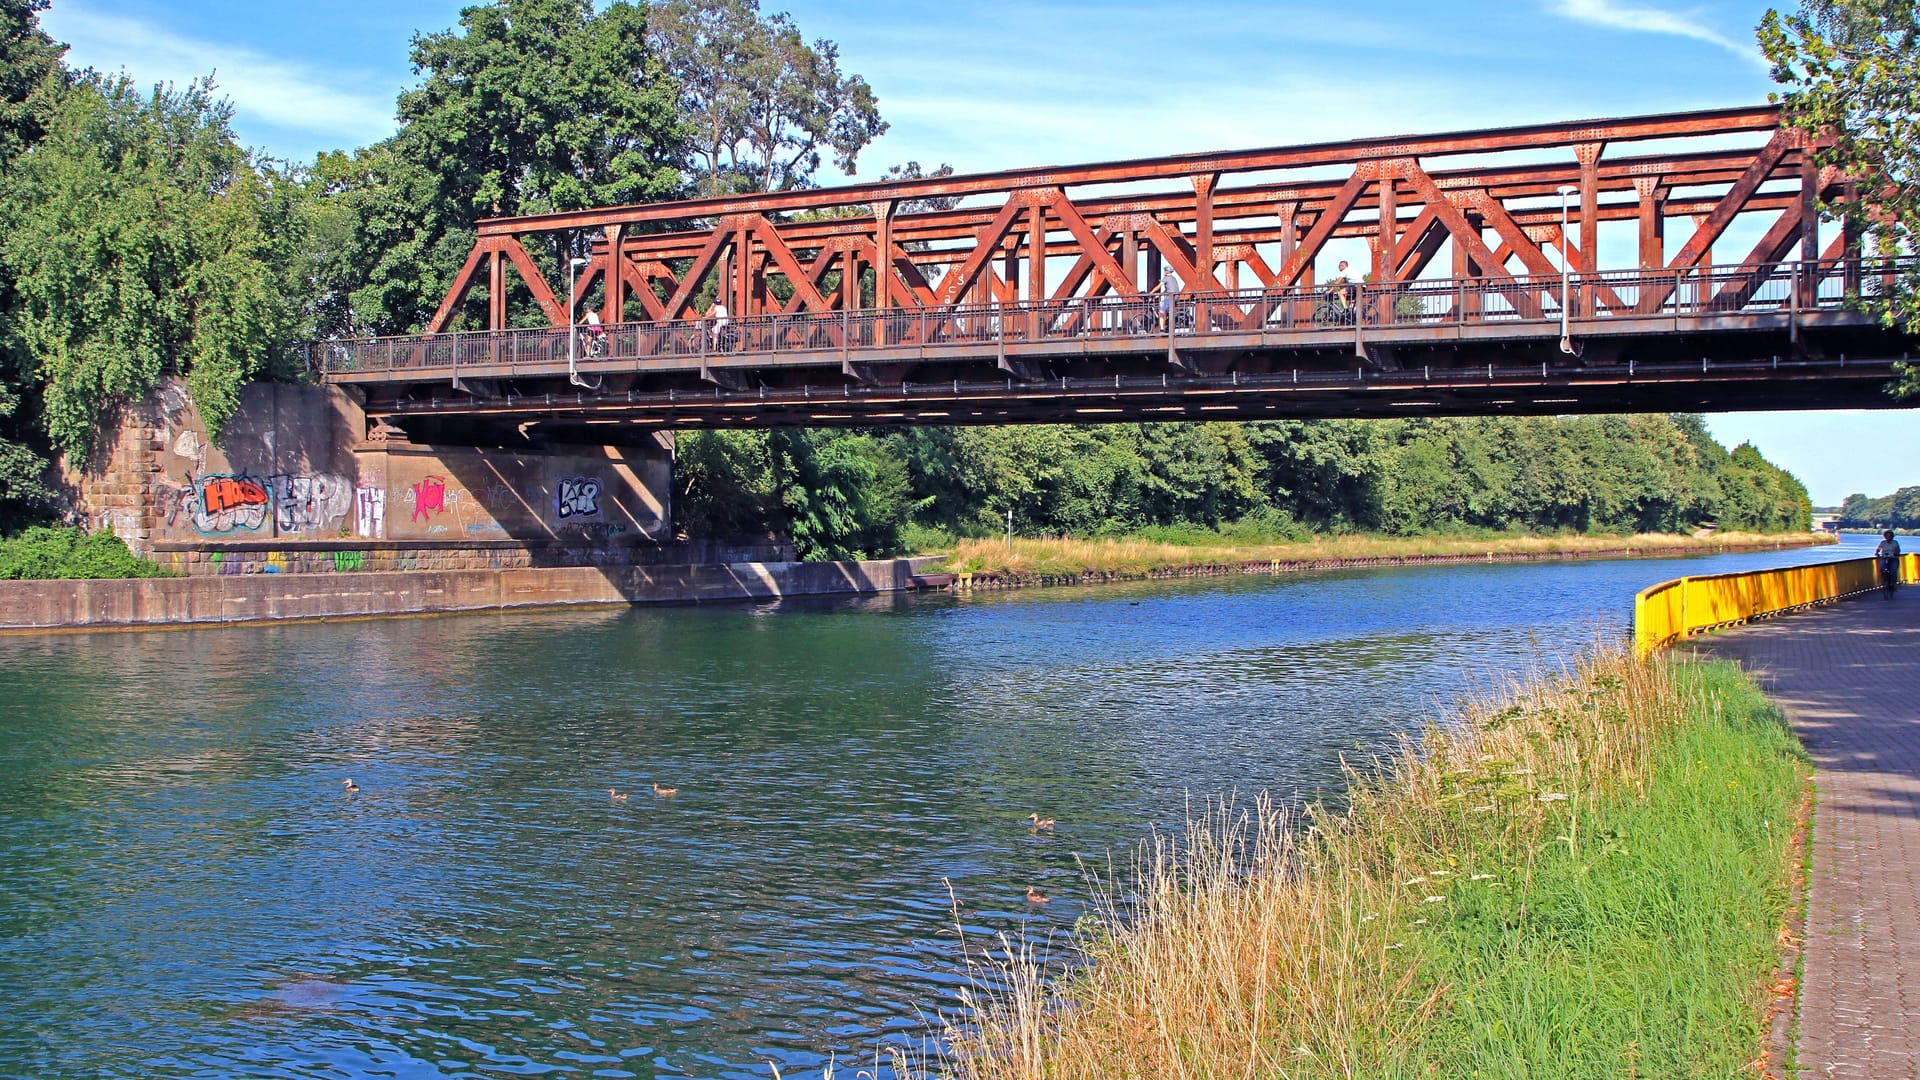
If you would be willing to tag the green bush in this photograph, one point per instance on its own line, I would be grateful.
(925, 539)
(46, 552)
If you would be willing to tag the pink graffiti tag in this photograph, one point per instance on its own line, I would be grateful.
(429, 498)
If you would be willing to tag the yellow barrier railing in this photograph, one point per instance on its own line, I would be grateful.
(1671, 610)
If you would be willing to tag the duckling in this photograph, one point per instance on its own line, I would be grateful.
(351, 787)
(616, 796)
(1036, 896)
(1040, 824)
(661, 791)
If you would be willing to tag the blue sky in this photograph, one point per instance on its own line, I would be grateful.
(992, 84)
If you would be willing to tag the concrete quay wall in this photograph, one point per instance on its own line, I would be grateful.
(190, 601)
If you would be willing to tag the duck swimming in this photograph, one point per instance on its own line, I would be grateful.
(664, 792)
(351, 787)
(616, 796)
(1037, 896)
(1040, 824)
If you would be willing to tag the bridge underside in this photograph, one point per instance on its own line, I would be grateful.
(1815, 360)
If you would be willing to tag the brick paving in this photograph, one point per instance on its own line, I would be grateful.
(1848, 677)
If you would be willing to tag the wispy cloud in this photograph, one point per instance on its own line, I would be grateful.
(1652, 20)
(266, 89)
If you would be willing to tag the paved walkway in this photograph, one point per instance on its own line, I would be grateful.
(1848, 676)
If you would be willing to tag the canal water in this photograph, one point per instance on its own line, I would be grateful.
(187, 890)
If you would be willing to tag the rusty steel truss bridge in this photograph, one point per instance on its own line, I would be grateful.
(1183, 287)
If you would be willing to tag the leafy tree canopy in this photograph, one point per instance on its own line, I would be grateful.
(762, 103)
(140, 241)
(1852, 68)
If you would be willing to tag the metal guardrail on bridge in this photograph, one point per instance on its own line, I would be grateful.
(1319, 316)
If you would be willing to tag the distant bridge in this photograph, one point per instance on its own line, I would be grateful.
(1036, 294)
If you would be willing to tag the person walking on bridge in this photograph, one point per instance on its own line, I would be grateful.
(1888, 556)
(1169, 288)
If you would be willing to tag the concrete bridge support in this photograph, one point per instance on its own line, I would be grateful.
(299, 467)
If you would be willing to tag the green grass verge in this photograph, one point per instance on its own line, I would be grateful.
(1638, 940)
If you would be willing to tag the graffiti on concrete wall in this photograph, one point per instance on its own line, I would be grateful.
(577, 497)
(429, 498)
(310, 503)
(222, 504)
(370, 512)
(345, 561)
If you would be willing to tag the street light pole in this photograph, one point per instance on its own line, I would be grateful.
(573, 331)
(1566, 333)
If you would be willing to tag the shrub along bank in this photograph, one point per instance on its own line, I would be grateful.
(47, 552)
(1588, 879)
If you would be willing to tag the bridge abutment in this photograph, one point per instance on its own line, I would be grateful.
(298, 481)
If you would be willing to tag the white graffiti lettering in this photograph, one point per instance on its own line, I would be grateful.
(308, 503)
(370, 512)
(577, 497)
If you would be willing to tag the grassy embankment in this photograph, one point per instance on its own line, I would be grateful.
(1138, 556)
(1588, 879)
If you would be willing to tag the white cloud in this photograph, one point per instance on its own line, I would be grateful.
(271, 91)
(1651, 20)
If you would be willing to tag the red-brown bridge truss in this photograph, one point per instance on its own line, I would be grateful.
(1032, 295)
(1218, 222)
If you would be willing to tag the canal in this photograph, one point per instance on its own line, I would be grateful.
(187, 890)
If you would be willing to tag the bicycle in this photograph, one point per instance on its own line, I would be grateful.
(1335, 309)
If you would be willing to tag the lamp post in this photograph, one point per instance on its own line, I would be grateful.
(573, 331)
(1566, 334)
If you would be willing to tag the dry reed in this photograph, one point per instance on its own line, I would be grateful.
(1261, 944)
(1066, 556)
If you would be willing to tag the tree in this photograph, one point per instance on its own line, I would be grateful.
(530, 106)
(763, 104)
(31, 77)
(31, 81)
(1854, 71)
(140, 242)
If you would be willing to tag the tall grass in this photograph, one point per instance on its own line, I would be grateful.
(1586, 878)
(1067, 556)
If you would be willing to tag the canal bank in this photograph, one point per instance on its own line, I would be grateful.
(132, 603)
(1028, 577)
(274, 590)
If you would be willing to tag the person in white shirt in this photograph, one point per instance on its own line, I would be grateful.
(718, 313)
(596, 334)
(1888, 554)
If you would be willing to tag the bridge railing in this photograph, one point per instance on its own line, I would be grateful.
(1683, 607)
(1306, 313)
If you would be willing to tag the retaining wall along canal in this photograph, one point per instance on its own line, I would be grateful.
(185, 601)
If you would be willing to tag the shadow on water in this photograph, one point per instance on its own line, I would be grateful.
(190, 891)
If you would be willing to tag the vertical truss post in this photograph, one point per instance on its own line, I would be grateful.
(1809, 229)
(1589, 157)
(1130, 256)
(1203, 254)
(882, 266)
(1653, 219)
(1703, 278)
(1850, 246)
(496, 290)
(613, 281)
(1388, 238)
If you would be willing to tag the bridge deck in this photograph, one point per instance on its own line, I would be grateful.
(1761, 336)
(1848, 677)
